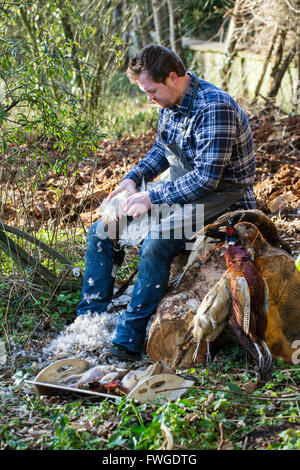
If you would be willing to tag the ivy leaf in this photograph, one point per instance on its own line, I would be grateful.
(116, 441)
(233, 387)
(19, 377)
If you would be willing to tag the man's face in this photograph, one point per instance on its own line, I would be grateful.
(164, 94)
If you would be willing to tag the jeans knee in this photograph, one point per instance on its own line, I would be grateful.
(161, 249)
(155, 249)
(97, 233)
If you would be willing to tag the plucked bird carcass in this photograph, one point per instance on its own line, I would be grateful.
(100, 379)
(82, 380)
(212, 314)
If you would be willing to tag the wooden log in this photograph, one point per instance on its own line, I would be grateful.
(177, 309)
(283, 281)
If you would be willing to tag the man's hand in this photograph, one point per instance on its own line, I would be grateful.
(125, 185)
(137, 204)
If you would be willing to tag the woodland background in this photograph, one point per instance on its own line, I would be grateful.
(71, 127)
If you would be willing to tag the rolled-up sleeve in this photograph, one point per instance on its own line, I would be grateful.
(214, 135)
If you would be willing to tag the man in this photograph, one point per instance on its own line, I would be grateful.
(204, 138)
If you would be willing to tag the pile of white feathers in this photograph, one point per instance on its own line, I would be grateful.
(89, 335)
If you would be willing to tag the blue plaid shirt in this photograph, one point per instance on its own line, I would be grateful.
(218, 145)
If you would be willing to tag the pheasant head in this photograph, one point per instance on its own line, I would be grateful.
(231, 236)
(251, 238)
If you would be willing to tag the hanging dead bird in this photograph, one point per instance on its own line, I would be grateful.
(249, 291)
(209, 320)
(211, 316)
(278, 268)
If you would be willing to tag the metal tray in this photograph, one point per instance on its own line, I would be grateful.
(49, 389)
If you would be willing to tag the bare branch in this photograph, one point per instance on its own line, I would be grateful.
(291, 7)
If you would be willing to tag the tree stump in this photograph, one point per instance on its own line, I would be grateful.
(177, 309)
(283, 279)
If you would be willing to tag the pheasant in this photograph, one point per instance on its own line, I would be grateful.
(209, 320)
(255, 217)
(205, 239)
(248, 316)
(211, 316)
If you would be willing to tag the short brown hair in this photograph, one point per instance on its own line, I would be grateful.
(158, 61)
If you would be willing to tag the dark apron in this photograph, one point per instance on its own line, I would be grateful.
(215, 202)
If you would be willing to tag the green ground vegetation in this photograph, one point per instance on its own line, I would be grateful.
(215, 414)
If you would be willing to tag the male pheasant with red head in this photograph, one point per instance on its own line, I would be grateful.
(248, 316)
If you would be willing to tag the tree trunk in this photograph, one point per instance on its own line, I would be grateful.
(159, 22)
(142, 21)
(265, 66)
(96, 85)
(32, 33)
(177, 309)
(174, 27)
(230, 43)
(277, 56)
(70, 37)
(281, 71)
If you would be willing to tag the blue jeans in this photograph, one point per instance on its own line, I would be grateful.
(156, 256)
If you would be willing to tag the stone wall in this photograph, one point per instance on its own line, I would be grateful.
(209, 59)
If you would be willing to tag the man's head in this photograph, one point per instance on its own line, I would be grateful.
(160, 73)
(158, 61)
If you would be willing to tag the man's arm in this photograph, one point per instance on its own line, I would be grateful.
(152, 165)
(148, 168)
(214, 135)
